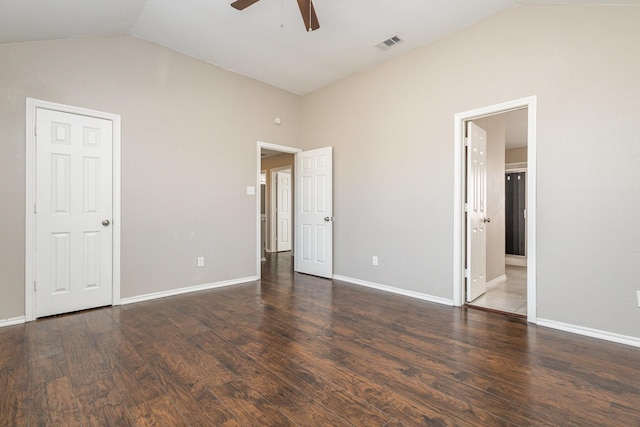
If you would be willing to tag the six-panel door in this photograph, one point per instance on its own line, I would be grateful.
(314, 212)
(74, 212)
(476, 211)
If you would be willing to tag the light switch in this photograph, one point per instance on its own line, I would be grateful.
(251, 190)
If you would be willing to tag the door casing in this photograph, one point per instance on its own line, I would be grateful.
(30, 217)
(459, 187)
(274, 147)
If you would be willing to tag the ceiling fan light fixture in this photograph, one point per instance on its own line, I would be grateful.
(307, 11)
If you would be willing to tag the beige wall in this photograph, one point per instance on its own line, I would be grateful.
(189, 133)
(516, 155)
(269, 163)
(495, 128)
(392, 131)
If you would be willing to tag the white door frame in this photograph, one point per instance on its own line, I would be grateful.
(274, 147)
(459, 179)
(273, 221)
(30, 217)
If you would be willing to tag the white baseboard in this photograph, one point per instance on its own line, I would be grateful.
(394, 290)
(179, 291)
(12, 321)
(593, 333)
(566, 327)
(496, 281)
(518, 261)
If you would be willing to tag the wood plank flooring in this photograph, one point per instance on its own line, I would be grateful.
(299, 350)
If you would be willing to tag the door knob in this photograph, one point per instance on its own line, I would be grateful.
(328, 218)
(105, 222)
(486, 220)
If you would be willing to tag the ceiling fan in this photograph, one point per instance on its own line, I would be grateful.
(306, 10)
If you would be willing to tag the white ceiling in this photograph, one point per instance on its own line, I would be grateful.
(266, 41)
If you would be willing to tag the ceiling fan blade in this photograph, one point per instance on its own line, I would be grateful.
(308, 15)
(241, 4)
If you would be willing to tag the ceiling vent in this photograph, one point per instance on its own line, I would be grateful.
(390, 42)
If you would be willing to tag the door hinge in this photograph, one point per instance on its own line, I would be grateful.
(35, 130)
(35, 286)
(466, 207)
(466, 273)
(524, 213)
(466, 141)
(35, 209)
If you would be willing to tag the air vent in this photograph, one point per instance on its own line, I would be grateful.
(390, 42)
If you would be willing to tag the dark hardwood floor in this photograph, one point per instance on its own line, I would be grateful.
(299, 350)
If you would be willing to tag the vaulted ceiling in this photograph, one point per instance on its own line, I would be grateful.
(267, 41)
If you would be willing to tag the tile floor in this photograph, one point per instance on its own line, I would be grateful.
(509, 296)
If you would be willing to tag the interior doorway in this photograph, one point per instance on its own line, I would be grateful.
(274, 161)
(505, 286)
(312, 182)
(508, 280)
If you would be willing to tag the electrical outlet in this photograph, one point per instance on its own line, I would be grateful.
(638, 298)
(374, 260)
(200, 261)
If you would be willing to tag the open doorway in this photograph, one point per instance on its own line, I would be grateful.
(505, 229)
(475, 268)
(275, 202)
(312, 195)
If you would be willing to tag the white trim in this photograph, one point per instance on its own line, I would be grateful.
(515, 167)
(259, 147)
(515, 260)
(495, 282)
(189, 289)
(589, 332)
(458, 201)
(30, 160)
(12, 321)
(394, 290)
(263, 218)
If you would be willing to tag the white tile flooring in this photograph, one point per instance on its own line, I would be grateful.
(509, 296)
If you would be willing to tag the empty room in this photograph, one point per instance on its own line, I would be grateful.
(278, 212)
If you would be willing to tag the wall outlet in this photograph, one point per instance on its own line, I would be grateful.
(374, 260)
(200, 261)
(638, 298)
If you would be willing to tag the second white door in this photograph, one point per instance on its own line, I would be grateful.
(283, 211)
(314, 212)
